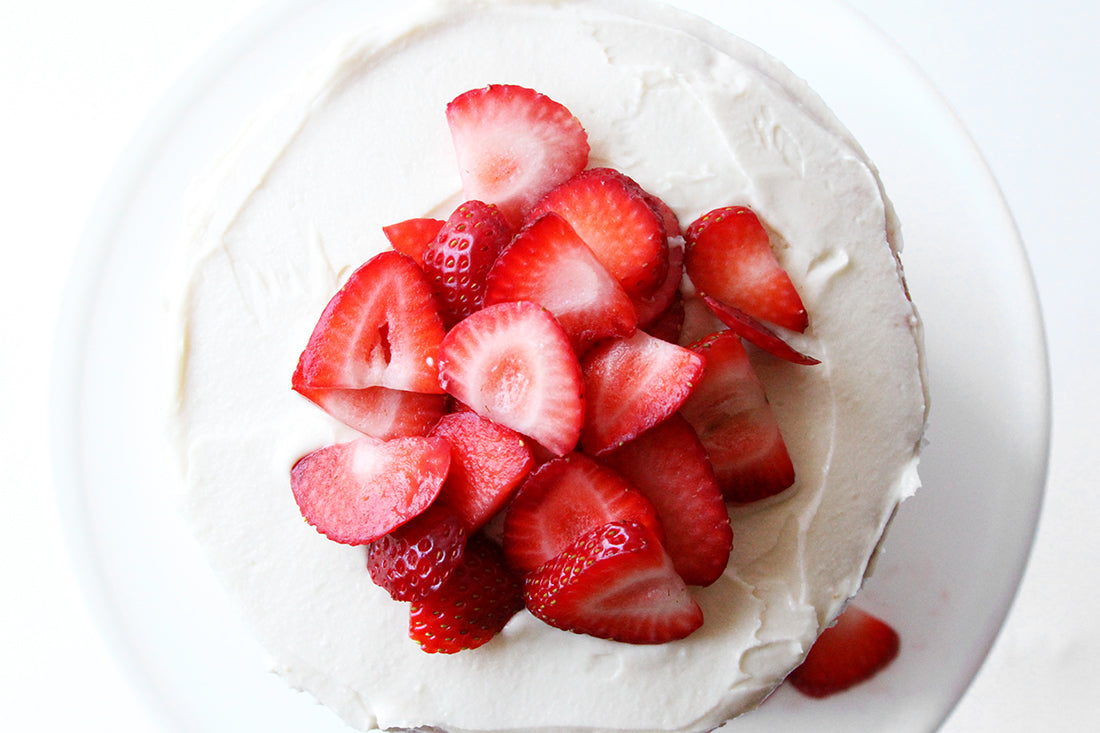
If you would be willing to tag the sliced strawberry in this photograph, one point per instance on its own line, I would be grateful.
(459, 258)
(615, 582)
(631, 385)
(669, 326)
(488, 462)
(379, 412)
(699, 320)
(512, 363)
(669, 466)
(412, 236)
(654, 306)
(513, 145)
(382, 329)
(472, 606)
(756, 333)
(356, 492)
(729, 257)
(416, 558)
(668, 217)
(733, 419)
(857, 647)
(563, 499)
(610, 213)
(547, 263)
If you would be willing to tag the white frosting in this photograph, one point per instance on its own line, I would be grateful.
(700, 119)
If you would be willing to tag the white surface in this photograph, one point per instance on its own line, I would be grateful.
(79, 80)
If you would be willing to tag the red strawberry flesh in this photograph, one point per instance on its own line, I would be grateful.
(416, 558)
(857, 647)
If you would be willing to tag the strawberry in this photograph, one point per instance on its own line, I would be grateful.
(615, 582)
(857, 647)
(513, 145)
(512, 363)
(561, 500)
(382, 329)
(356, 492)
(733, 419)
(669, 326)
(488, 462)
(416, 558)
(412, 236)
(472, 606)
(631, 385)
(610, 213)
(549, 264)
(379, 412)
(669, 466)
(655, 305)
(459, 258)
(756, 333)
(729, 257)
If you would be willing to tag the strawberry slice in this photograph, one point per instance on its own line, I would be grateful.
(615, 582)
(857, 647)
(729, 257)
(459, 258)
(657, 304)
(756, 333)
(415, 559)
(412, 236)
(631, 385)
(669, 326)
(356, 492)
(733, 419)
(513, 364)
(514, 144)
(609, 211)
(382, 329)
(472, 606)
(669, 466)
(563, 499)
(488, 462)
(547, 263)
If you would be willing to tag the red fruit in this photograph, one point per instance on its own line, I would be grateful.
(669, 466)
(631, 385)
(610, 213)
(549, 264)
(734, 421)
(563, 499)
(513, 364)
(756, 333)
(488, 462)
(668, 217)
(615, 582)
(412, 236)
(356, 492)
(857, 647)
(670, 325)
(415, 559)
(729, 257)
(472, 606)
(382, 329)
(654, 306)
(459, 258)
(513, 145)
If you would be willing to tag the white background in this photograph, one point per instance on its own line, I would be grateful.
(76, 80)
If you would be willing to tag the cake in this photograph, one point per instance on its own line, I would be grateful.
(698, 118)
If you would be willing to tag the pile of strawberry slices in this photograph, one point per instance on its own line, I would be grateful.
(554, 392)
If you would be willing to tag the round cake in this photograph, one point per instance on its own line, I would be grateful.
(696, 117)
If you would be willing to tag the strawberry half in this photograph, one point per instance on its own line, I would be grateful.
(381, 329)
(459, 258)
(669, 466)
(416, 558)
(514, 144)
(615, 582)
(412, 236)
(756, 333)
(472, 606)
(857, 647)
(563, 499)
(729, 257)
(734, 421)
(488, 462)
(547, 263)
(513, 364)
(356, 492)
(631, 385)
(609, 211)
